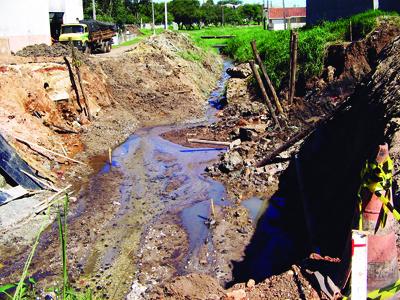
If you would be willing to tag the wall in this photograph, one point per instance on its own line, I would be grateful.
(334, 9)
(72, 9)
(24, 22)
(278, 24)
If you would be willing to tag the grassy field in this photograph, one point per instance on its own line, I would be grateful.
(274, 45)
(227, 30)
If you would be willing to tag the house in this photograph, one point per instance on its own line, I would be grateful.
(333, 9)
(27, 22)
(295, 17)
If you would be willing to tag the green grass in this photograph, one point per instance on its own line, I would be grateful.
(207, 44)
(25, 288)
(145, 33)
(274, 45)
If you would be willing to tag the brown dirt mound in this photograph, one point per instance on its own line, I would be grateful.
(44, 50)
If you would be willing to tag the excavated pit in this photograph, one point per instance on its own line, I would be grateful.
(326, 176)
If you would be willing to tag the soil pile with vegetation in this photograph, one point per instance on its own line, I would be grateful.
(275, 51)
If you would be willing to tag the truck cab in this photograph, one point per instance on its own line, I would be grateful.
(77, 33)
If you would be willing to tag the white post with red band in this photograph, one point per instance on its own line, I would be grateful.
(359, 265)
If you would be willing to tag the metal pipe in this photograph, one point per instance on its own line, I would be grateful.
(94, 9)
(152, 13)
(165, 15)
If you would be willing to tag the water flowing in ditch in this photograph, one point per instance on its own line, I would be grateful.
(159, 181)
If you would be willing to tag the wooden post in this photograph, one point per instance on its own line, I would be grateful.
(212, 209)
(263, 92)
(73, 83)
(78, 73)
(110, 156)
(351, 31)
(266, 77)
(293, 67)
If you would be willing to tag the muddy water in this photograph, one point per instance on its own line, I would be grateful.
(162, 199)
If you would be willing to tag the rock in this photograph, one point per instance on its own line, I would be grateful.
(239, 71)
(237, 91)
(259, 128)
(247, 134)
(236, 142)
(330, 73)
(251, 283)
(2, 181)
(230, 162)
(236, 295)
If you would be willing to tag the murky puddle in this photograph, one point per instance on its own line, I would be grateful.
(162, 194)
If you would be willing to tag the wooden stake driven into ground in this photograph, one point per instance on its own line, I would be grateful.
(78, 73)
(73, 83)
(293, 64)
(266, 77)
(263, 92)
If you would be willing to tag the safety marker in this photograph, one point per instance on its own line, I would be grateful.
(359, 265)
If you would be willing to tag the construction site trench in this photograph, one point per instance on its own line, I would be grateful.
(161, 216)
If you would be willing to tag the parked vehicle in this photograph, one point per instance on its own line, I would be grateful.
(89, 35)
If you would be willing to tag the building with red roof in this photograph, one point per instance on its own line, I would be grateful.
(295, 17)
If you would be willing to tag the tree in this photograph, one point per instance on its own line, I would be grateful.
(210, 13)
(185, 12)
(234, 2)
(251, 13)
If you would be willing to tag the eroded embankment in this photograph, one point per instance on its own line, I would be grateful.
(153, 83)
(328, 168)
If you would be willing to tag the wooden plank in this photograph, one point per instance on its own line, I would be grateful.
(200, 141)
(33, 145)
(44, 183)
(218, 36)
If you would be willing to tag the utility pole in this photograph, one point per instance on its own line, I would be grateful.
(263, 15)
(152, 13)
(94, 9)
(284, 14)
(166, 15)
(223, 17)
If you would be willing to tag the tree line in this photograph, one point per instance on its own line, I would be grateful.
(188, 14)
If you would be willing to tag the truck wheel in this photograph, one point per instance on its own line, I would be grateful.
(108, 47)
(103, 47)
(86, 48)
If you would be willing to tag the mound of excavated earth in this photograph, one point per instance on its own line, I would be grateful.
(162, 80)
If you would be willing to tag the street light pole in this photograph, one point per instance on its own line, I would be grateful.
(166, 15)
(284, 14)
(152, 13)
(94, 9)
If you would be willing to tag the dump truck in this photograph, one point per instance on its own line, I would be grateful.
(89, 35)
